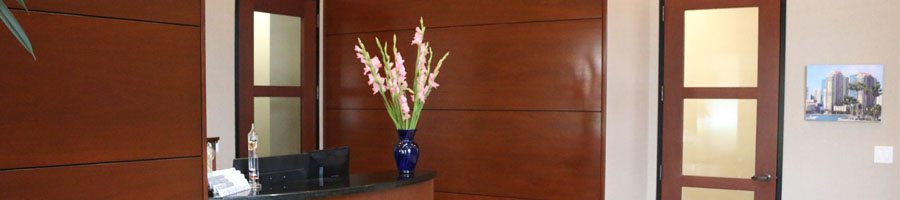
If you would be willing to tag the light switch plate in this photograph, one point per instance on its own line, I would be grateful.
(884, 154)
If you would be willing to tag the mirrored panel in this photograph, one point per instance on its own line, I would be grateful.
(721, 47)
(692, 193)
(277, 122)
(719, 138)
(276, 49)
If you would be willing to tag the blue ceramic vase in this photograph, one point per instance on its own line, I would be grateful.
(406, 152)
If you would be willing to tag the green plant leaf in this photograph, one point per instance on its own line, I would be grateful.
(7, 17)
(22, 2)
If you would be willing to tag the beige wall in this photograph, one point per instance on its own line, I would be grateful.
(632, 77)
(822, 160)
(220, 113)
(834, 160)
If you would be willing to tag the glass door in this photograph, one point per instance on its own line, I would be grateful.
(720, 103)
(277, 75)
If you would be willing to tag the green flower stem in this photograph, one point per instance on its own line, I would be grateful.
(393, 105)
(378, 83)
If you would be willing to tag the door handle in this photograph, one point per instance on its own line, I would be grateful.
(764, 177)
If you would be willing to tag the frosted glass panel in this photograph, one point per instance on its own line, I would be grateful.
(277, 122)
(721, 47)
(719, 138)
(276, 49)
(692, 193)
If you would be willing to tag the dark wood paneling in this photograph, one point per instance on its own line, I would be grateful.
(528, 66)
(458, 196)
(350, 16)
(509, 154)
(168, 11)
(719, 183)
(419, 191)
(517, 113)
(156, 179)
(100, 90)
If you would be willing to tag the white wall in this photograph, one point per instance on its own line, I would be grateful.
(632, 79)
(220, 113)
(834, 160)
(821, 160)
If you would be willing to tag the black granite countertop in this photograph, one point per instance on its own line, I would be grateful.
(336, 186)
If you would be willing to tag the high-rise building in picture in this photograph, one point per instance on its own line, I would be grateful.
(835, 87)
(817, 95)
(868, 81)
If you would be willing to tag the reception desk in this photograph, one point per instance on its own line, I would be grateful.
(382, 185)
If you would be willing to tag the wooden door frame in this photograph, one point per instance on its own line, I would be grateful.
(245, 90)
(766, 96)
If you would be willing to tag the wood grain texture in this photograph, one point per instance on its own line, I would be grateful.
(538, 155)
(458, 196)
(528, 66)
(520, 94)
(419, 191)
(167, 11)
(719, 183)
(100, 90)
(767, 95)
(155, 179)
(352, 16)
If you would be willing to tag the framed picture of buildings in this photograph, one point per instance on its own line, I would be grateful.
(844, 92)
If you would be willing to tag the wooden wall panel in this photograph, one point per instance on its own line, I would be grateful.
(167, 11)
(155, 179)
(518, 113)
(418, 191)
(352, 16)
(459, 196)
(100, 90)
(525, 66)
(508, 154)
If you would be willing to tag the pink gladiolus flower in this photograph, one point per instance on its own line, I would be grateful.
(361, 58)
(404, 107)
(395, 73)
(376, 63)
(375, 86)
(366, 70)
(421, 96)
(423, 58)
(402, 70)
(393, 81)
(431, 79)
(400, 66)
(395, 89)
(417, 38)
(359, 54)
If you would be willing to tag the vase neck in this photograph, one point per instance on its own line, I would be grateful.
(406, 134)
